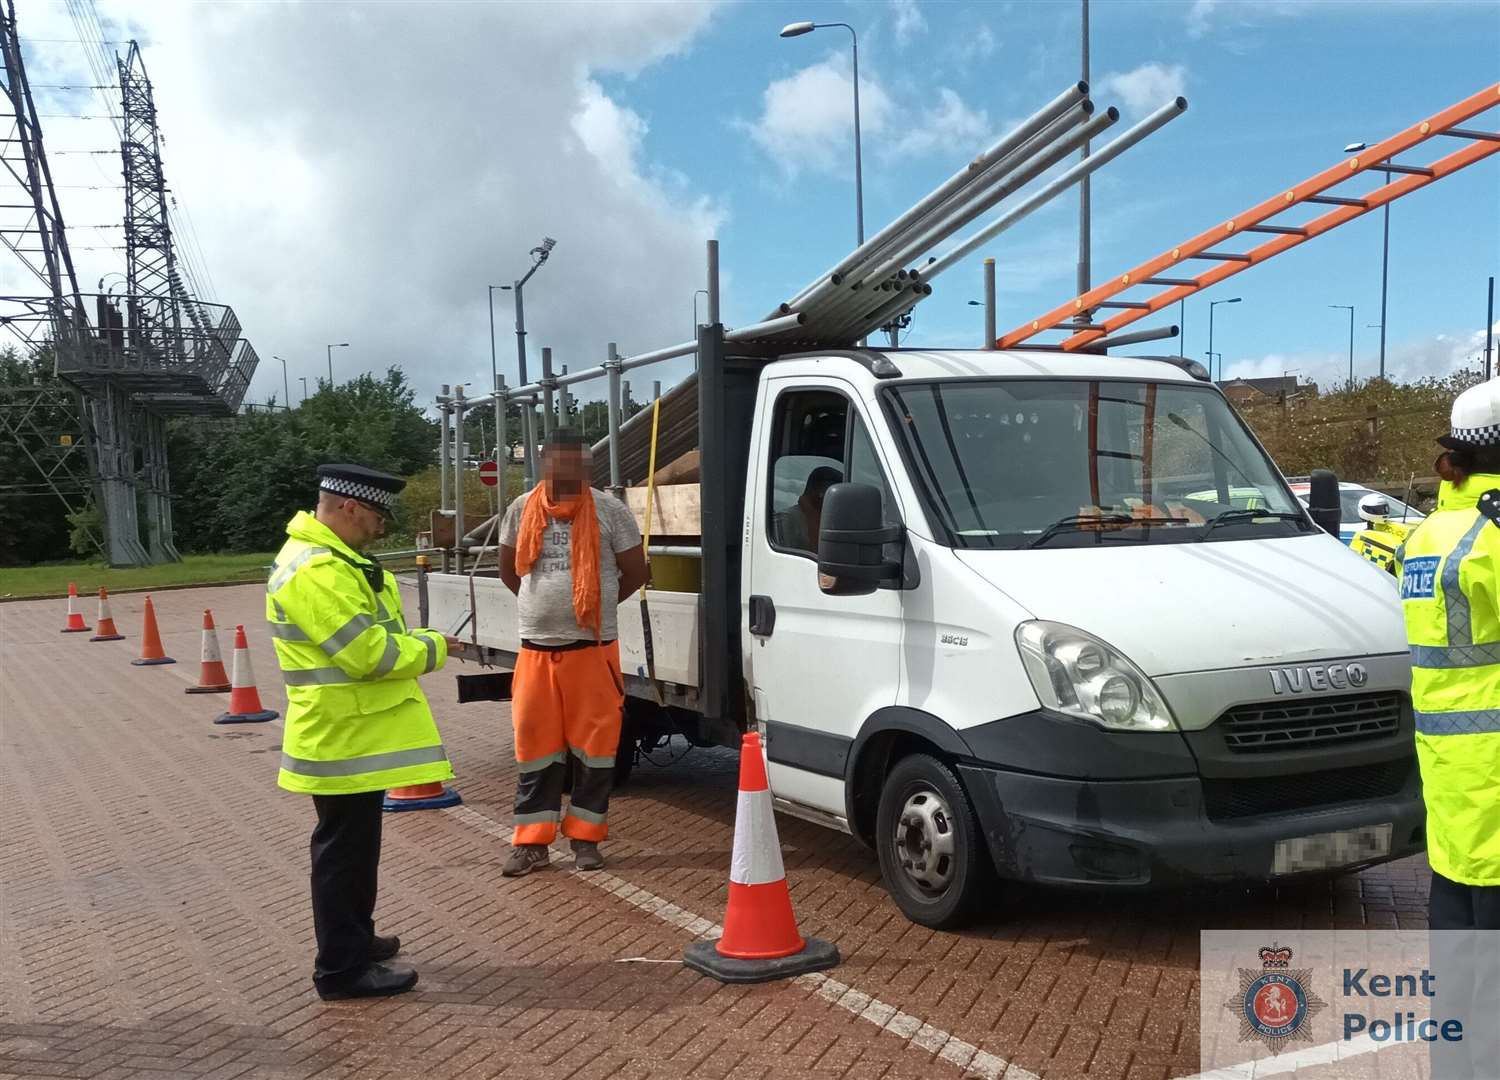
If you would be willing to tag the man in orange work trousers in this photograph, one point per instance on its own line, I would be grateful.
(570, 553)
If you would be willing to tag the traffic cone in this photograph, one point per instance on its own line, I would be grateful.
(151, 650)
(75, 623)
(212, 678)
(105, 630)
(244, 699)
(433, 796)
(760, 940)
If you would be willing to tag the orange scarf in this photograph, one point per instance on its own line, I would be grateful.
(584, 544)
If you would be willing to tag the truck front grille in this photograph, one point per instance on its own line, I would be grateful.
(1301, 791)
(1287, 725)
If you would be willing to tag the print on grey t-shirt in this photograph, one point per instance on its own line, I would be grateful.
(545, 602)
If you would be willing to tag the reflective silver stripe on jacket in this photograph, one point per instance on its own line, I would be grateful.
(286, 631)
(1474, 722)
(318, 676)
(396, 759)
(388, 658)
(345, 634)
(284, 574)
(1455, 603)
(431, 653)
(1455, 656)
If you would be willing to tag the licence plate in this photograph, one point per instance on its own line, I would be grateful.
(1326, 850)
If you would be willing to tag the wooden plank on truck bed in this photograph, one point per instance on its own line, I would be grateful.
(674, 510)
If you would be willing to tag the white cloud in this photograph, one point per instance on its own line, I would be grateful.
(1203, 15)
(806, 119)
(344, 190)
(1436, 356)
(909, 21)
(980, 44)
(1146, 88)
(950, 125)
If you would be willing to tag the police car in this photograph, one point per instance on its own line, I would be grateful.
(1350, 496)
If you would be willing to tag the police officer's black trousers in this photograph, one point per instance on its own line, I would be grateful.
(345, 868)
(1453, 906)
(1466, 962)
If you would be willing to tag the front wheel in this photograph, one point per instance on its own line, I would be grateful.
(928, 839)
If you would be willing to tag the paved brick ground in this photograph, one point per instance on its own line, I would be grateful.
(155, 914)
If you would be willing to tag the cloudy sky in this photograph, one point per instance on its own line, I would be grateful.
(361, 172)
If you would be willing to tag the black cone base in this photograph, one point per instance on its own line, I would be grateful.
(704, 958)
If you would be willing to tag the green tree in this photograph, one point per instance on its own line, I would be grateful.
(237, 481)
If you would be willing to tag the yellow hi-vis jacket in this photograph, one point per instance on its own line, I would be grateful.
(355, 719)
(1450, 593)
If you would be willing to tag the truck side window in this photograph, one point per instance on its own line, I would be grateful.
(819, 441)
(808, 456)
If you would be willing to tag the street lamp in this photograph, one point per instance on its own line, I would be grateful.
(1350, 309)
(338, 345)
(797, 29)
(285, 387)
(1213, 304)
(539, 255)
(304, 388)
(700, 292)
(1385, 254)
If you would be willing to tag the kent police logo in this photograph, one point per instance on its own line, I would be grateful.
(1276, 1003)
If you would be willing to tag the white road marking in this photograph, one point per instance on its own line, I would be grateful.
(908, 1028)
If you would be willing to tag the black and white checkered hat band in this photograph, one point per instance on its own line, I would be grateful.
(1489, 435)
(355, 490)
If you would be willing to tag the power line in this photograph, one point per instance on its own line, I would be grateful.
(68, 41)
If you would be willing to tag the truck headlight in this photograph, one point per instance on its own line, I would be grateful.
(1079, 675)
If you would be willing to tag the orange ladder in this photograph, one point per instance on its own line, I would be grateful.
(1072, 315)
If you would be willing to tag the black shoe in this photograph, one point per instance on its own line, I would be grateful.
(383, 948)
(377, 980)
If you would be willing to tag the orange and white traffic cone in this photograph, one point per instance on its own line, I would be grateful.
(244, 698)
(75, 623)
(212, 678)
(151, 650)
(105, 629)
(760, 940)
(433, 796)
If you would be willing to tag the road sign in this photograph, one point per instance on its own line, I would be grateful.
(489, 473)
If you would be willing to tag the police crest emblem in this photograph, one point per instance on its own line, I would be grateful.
(1275, 1003)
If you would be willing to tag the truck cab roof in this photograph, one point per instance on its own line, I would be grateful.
(926, 364)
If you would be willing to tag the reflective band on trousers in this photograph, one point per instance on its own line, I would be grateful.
(593, 762)
(371, 763)
(345, 634)
(542, 762)
(593, 817)
(1455, 656)
(1473, 722)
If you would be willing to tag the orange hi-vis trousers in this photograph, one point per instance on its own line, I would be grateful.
(565, 700)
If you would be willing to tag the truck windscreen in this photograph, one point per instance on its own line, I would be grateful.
(1070, 462)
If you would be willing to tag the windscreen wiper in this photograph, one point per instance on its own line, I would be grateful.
(1079, 521)
(1245, 513)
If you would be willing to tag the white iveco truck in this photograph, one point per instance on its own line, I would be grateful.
(1058, 619)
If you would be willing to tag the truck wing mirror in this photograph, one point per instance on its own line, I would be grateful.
(1323, 501)
(851, 538)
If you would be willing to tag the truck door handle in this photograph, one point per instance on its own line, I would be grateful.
(762, 616)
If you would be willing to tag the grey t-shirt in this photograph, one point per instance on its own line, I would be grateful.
(546, 597)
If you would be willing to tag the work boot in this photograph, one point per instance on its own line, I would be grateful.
(383, 948)
(377, 980)
(524, 858)
(586, 855)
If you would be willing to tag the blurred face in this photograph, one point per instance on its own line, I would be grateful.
(356, 523)
(566, 471)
